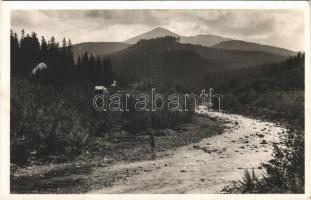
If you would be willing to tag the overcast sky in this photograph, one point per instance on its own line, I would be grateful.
(283, 28)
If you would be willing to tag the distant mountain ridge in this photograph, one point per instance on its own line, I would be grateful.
(250, 46)
(154, 33)
(204, 40)
(97, 48)
(212, 41)
(188, 59)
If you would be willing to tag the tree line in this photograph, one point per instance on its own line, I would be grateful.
(61, 69)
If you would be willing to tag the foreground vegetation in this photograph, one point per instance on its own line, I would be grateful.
(52, 114)
(46, 121)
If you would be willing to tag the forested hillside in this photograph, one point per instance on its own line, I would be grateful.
(201, 39)
(275, 90)
(97, 48)
(250, 46)
(162, 58)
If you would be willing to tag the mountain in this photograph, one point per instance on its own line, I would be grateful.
(160, 55)
(217, 42)
(155, 33)
(205, 40)
(167, 59)
(97, 48)
(249, 46)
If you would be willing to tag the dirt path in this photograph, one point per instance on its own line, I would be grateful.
(205, 167)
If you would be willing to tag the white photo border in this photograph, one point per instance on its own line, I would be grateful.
(5, 13)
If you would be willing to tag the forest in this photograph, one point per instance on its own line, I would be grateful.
(62, 68)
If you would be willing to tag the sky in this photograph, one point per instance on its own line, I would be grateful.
(282, 28)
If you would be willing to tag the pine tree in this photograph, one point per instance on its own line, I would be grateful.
(14, 53)
(23, 34)
(29, 53)
(61, 68)
(64, 44)
(109, 76)
(70, 63)
(43, 55)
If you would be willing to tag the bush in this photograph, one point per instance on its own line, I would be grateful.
(286, 170)
(59, 121)
(284, 173)
(43, 122)
(249, 181)
(136, 121)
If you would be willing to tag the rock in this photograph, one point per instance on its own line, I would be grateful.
(115, 140)
(182, 170)
(121, 133)
(263, 142)
(165, 132)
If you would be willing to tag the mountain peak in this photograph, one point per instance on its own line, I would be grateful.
(160, 29)
(154, 33)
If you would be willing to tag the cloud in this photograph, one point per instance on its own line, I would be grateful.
(275, 27)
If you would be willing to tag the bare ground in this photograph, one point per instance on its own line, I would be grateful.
(205, 167)
(79, 175)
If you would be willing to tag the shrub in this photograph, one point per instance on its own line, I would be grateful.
(284, 173)
(249, 181)
(43, 122)
(286, 170)
(136, 121)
